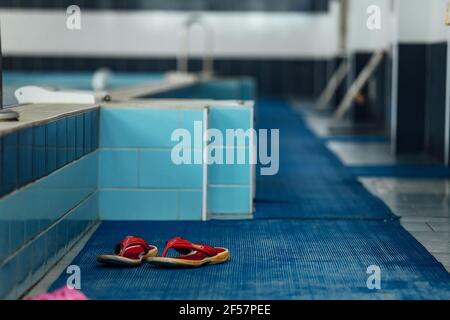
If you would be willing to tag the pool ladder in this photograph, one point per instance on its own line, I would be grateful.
(182, 58)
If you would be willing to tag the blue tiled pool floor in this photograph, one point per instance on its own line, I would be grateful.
(316, 232)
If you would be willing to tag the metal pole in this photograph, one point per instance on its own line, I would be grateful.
(333, 85)
(343, 20)
(183, 54)
(357, 85)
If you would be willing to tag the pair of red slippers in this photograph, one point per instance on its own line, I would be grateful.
(133, 251)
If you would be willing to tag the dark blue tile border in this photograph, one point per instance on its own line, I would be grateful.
(87, 132)
(71, 138)
(32, 153)
(411, 98)
(435, 99)
(183, 5)
(96, 129)
(79, 142)
(61, 143)
(39, 166)
(50, 147)
(25, 156)
(10, 163)
(302, 77)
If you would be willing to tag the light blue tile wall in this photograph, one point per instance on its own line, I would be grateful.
(25, 156)
(34, 208)
(4, 237)
(135, 164)
(229, 185)
(230, 174)
(43, 220)
(8, 273)
(46, 198)
(157, 170)
(148, 204)
(24, 264)
(223, 118)
(229, 200)
(138, 128)
(118, 168)
(137, 178)
(36, 257)
(191, 202)
(138, 204)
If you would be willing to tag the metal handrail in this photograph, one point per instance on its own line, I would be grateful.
(182, 58)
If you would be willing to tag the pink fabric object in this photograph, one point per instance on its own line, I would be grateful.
(61, 294)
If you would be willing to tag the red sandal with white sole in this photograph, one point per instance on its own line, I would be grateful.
(131, 251)
(192, 255)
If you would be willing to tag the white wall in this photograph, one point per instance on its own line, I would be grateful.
(411, 21)
(157, 33)
(420, 21)
(361, 38)
(417, 22)
(437, 28)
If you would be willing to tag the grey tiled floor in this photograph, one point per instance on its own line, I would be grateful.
(318, 123)
(362, 153)
(423, 205)
(372, 153)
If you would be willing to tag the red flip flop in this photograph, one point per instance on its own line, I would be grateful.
(131, 251)
(192, 255)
